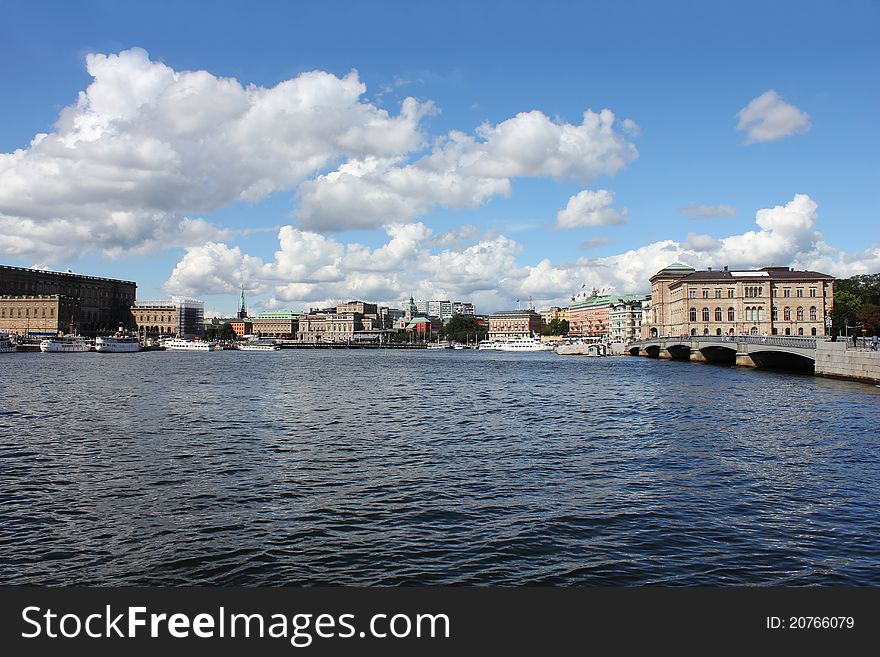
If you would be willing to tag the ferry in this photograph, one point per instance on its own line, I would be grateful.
(524, 344)
(117, 344)
(67, 344)
(6, 344)
(257, 346)
(179, 344)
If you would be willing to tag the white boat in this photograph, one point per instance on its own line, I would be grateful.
(488, 344)
(116, 344)
(6, 344)
(439, 345)
(179, 344)
(524, 344)
(65, 345)
(257, 346)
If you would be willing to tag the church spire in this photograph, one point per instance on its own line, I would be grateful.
(242, 307)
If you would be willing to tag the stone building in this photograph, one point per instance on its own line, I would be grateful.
(509, 324)
(38, 315)
(276, 324)
(591, 318)
(625, 319)
(180, 316)
(347, 322)
(770, 300)
(102, 304)
(554, 312)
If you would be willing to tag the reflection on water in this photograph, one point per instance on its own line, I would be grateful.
(452, 467)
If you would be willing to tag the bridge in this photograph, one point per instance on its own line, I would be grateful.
(789, 352)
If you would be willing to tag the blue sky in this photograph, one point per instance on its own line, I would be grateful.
(681, 71)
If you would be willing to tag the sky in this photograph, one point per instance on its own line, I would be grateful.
(487, 152)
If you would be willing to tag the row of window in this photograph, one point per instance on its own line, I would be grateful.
(755, 314)
(751, 292)
(27, 312)
(754, 331)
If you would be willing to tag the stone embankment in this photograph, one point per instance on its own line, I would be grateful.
(835, 359)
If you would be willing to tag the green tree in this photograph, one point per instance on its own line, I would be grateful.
(846, 311)
(869, 316)
(463, 328)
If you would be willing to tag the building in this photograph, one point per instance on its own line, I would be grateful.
(88, 304)
(766, 301)
(354, 321)
(241, 326)
(555, 312)
(444, 310)
(509, 324)
(591, 318)
(625, 319)
(276, 324)
(180, 316)
(38, 315)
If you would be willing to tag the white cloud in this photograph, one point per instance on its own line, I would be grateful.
(589, 208)
(696, 212)
(144, 146)
(768, 118)
(311, 269)
(463, 171)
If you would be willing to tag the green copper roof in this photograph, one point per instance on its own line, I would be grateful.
(605, 300)
(677, 266)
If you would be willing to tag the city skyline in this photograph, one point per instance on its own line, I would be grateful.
(386, 150)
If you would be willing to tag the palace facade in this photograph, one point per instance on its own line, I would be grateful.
(766, 301)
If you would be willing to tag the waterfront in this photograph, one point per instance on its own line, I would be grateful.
(432, 467)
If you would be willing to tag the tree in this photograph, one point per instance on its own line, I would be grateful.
(556, 327)
(463, 328)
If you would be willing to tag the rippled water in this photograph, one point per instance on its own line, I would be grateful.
(431, 467)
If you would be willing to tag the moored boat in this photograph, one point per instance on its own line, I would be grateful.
(180, 344)
(116, 344)
(65, 345)
(255, 345)
(6, 344)
(524, 344)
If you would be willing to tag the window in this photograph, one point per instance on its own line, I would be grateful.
(812, 291)
(786, 315)
(812, 313)
(775, 313)
(786, 292)
(731, 315)
(705, 331)
(788, 331)
(717, 331)
(813, 331)
(800, 292)
(693, 331)
(705, 314)
(800, 314)
(775, 331)
(754, 330)
(705, 294)
(693, 314)
(801, 331)
(718, 314)
(692, 294)
(760, 314)
(717, 294)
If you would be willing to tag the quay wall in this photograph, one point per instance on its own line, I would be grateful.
(833, 359)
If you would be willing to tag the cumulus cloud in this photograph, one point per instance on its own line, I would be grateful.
(464, 171)
(768, 118)
(311, 269)
(589, 208)
(145, 146)
(696, 212)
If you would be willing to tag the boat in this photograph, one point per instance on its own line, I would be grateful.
(180, 344)
(488, 344)
(256, 345)
(6, 344)
(524, 344)
(439, 345)
(119, 343)
(67, 344)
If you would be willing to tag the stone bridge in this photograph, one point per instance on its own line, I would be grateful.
(791, 352)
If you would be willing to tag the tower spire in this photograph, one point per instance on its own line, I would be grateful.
(242, 307)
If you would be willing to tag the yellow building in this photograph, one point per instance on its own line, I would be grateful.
(38, 314)
(766, 301)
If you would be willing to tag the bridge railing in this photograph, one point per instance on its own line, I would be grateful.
(791, 341)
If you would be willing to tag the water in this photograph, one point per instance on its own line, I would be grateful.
(431, 467)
